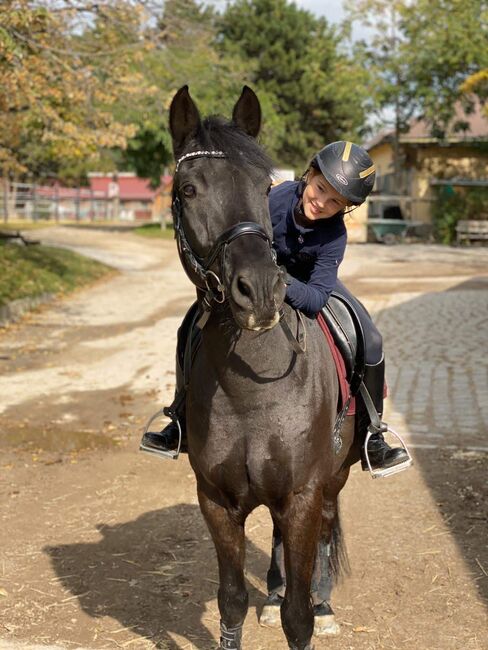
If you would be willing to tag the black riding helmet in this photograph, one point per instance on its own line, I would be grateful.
(348, 168)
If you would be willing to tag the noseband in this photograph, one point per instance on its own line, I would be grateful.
(208, 280)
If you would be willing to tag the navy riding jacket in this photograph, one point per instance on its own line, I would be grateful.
(311, 255)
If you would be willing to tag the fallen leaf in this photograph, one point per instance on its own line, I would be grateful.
(368, 630)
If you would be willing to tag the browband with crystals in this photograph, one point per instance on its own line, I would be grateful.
(199, 154)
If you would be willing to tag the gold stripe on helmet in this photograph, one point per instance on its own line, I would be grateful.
(347, 151)
(367, 172)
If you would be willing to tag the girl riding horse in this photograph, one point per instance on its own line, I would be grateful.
(257, 389)
(309, 237)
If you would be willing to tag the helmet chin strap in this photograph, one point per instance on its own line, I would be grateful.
(351, 208)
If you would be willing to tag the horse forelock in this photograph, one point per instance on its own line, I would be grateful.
(217, 134)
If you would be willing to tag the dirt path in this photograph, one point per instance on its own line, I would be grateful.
(102, 547)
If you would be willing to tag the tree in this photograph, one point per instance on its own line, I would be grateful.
(447, 42)
(383, 57)
(419, 53)
(294, 57)
(182, 51)
(55, 98)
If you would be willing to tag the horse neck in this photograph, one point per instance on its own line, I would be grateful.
(246, 351)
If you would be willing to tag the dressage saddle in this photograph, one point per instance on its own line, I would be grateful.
(347, 332)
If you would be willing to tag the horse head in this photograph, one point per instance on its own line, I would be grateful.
(220, 190)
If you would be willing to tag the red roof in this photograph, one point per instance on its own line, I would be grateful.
(130, 186)
(102, 186)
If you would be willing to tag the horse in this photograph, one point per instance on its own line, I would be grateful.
(263, 390)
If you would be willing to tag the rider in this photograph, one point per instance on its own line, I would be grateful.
(309, 237)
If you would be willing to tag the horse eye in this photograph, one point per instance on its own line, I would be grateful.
(268, 189)
(189, 191)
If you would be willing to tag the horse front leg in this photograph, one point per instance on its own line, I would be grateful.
(229, 539)
(300, 526)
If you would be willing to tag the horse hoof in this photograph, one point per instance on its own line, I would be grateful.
(324, 620)
(325, 626)
(270, 616)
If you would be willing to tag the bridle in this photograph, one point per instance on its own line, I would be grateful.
(199, 270)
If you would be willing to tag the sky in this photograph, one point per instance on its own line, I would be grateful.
(331, 9)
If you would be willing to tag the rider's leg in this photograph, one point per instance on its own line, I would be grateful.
(167, 440)
(276, 583)
(381, 455)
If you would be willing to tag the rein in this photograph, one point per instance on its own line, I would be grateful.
(207, 280)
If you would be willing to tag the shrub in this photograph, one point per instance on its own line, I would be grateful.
(454, 204)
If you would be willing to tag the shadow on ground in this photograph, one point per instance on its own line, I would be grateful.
(440, 340)
(152, 575)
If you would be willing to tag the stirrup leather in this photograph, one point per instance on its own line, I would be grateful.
(388, 471)
(171, 453)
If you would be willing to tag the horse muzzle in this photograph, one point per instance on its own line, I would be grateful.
(256, 296)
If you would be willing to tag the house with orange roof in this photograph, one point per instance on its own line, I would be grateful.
(460, 158)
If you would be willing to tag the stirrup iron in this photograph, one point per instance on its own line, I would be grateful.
(388, 471)
(171, 453)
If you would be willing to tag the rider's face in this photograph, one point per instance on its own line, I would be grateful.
(320, 199)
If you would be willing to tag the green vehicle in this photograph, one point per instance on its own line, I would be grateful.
(389, 231)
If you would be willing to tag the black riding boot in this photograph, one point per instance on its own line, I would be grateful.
(381, 455)
(165, 442)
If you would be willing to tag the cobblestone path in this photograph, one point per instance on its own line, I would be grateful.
(436, 344)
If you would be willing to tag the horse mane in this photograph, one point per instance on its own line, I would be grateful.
(218, 134)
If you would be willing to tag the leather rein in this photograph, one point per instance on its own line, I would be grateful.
(200, 267)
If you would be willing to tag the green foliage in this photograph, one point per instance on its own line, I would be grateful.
(54, 105)
(419, 52)
(451, 206)
(148, 153)
(88, 86)
(454, 44)
(313, 90)
(182, 51)
(26, 272)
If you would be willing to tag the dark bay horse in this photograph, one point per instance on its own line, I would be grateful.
(260, 412)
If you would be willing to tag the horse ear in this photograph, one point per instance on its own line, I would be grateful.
(247, 112)
(184, 118)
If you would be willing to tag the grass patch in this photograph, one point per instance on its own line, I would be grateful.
(25, 225)
(29, 271)
(154, 230)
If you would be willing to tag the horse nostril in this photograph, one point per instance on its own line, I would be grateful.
(244, 287)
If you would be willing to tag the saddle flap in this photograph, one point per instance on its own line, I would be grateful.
(342, 327)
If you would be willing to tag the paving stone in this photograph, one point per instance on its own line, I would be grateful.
(437, 367)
